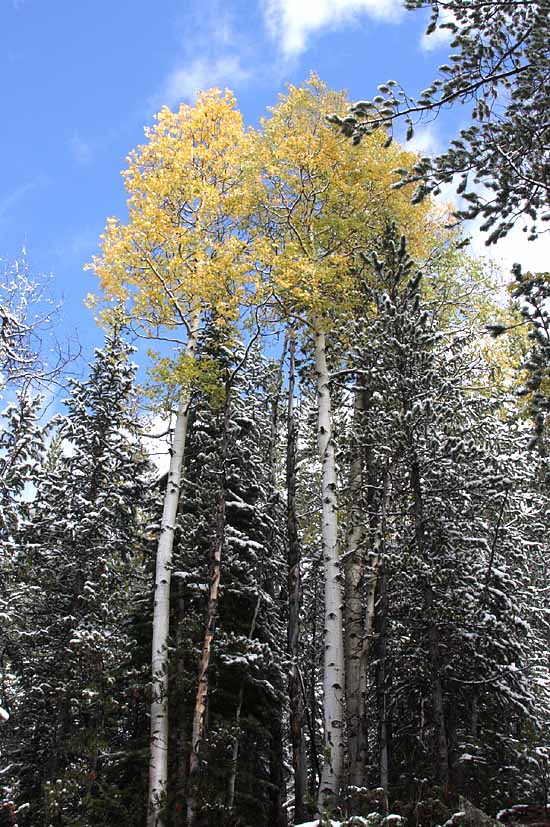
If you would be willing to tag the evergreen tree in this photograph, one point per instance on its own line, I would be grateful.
(239, 771)
(72, 586)
(500, 53)
(451, 645)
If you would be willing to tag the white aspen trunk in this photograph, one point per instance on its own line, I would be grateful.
(294, 582)
(333, 678)
(158, 766)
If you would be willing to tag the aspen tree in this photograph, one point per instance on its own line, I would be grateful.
(178, 254)
(324, 203)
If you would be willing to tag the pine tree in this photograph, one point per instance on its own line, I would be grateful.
(451, 644)
(72, 586)
(238, 765)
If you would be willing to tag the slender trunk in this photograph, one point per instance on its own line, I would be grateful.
(295, 695)
(277, 788)
(211, 617)
(333, 677)
(354, 565)
(158, 767)
(369, 636)
(235, 750)
(275, 405)
(315, 776)
(381, 689)
(441, 747)
(379, 530)
(181, 739)
(442, 769)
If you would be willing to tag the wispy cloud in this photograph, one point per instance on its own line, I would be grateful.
(515, 248)
(80, 149)
(223, 51)
(291, 23)
(188, 78)
(18, 194)
(440, 37)
(426, 141)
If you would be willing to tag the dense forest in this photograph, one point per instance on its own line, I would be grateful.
(334, 602)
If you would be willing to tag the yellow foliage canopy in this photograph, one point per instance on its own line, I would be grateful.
(179, 250)
(324, 202)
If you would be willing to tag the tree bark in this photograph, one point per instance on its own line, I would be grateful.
(381, 689)
(181, 740)
(441, 747)
(333, 677)
(295, 694)
(158, 766)
(277, 788)
(235, 751)
(211, 617)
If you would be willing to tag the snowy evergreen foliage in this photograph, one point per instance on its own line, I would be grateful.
(499, 63)
(444, 562)
(533, 293)
(456, 651)
(21, 450)
(71, 591)
(242, 750)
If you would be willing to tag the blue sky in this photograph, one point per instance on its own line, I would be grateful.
(80, 80)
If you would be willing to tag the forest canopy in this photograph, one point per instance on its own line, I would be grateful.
(333, 602)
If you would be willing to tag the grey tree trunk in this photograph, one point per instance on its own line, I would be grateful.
(235, 751)
(381, 690)
(181, 740)
(441, 747)
(158, 766)
(333, 676)
(210, 626)
(295, 693)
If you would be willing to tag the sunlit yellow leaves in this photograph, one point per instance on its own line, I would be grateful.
(181, 248)
(220, 218)
(325, 202)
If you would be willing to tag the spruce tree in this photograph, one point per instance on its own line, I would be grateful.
(72, 584)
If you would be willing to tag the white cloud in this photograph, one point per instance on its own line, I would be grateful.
(189, 77)
(514, 249)
(291, 22)
(425, 141)
(157, 442)
(213, 52)
(440, 37)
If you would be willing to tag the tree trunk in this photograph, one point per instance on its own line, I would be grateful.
(354, 613)
(333, 677)
(210, 627)
(277, 788)
(158, 767)
(181, 741)
(235, 750)
(381, 688)
(441, 747)
(295, 694)
(315, 775)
